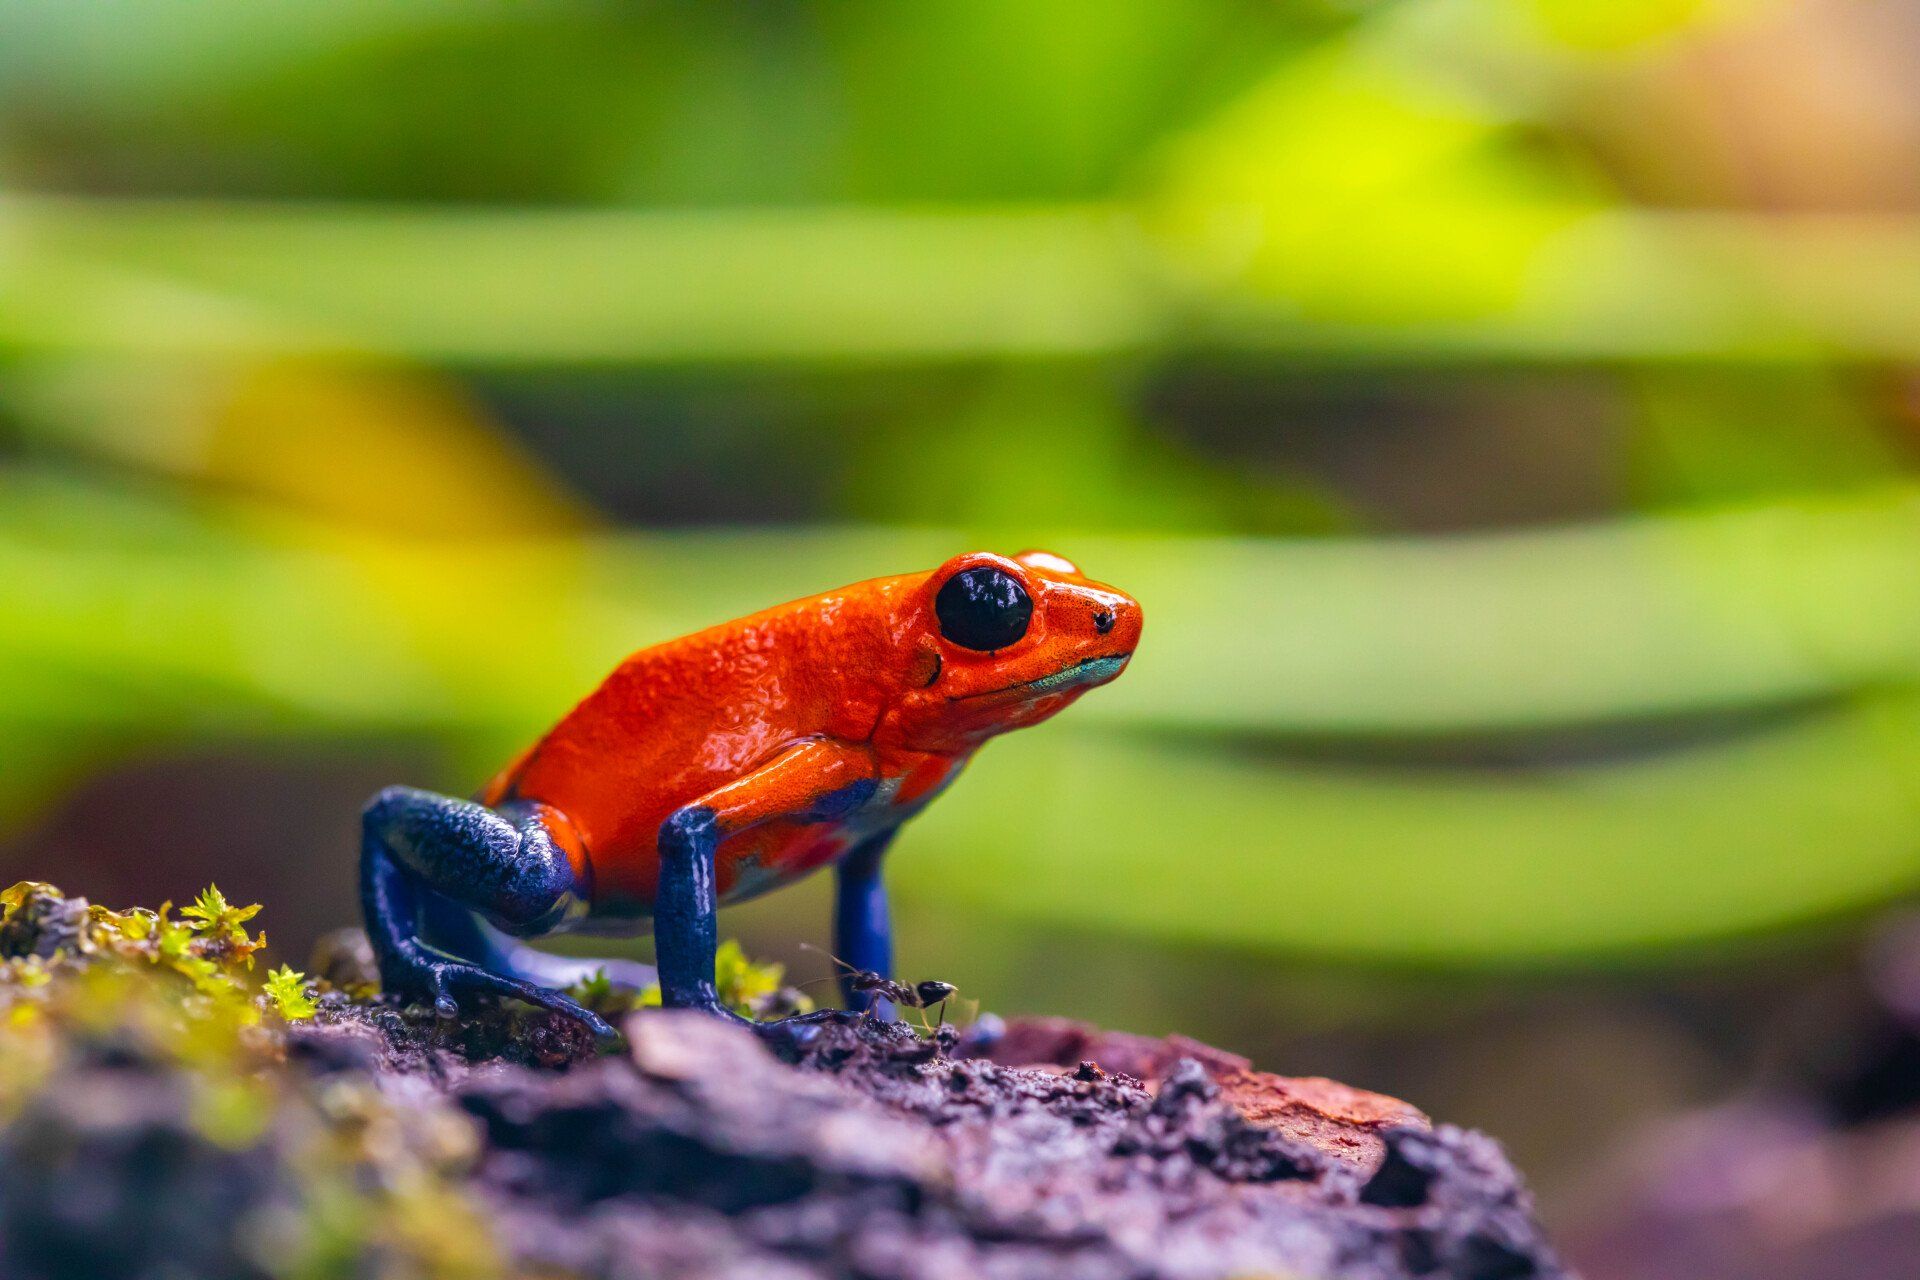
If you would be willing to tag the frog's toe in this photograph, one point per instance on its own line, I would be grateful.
(451, 982)
(604, 1032)
(802, 1029)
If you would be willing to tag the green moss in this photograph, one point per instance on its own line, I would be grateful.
(41, 928)
(287, 988)
(341, 1181)
(750, 988)
(347, 1183)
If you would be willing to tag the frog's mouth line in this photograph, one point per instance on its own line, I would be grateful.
(1085, 671)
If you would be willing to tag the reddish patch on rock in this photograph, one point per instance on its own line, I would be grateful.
(1338, 1119)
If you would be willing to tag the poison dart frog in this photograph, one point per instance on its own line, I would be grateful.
(715, 767)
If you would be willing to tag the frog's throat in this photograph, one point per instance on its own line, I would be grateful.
(1086, 671)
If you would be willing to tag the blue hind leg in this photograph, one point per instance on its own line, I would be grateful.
(417, 847)
(459, 930)
(862, 930)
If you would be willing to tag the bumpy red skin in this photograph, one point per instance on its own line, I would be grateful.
(861, 675)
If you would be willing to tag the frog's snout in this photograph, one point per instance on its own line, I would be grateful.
(1116, 620)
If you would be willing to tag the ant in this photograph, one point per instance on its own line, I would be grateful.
(923, 995)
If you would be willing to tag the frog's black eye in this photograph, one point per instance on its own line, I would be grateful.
(983, 608)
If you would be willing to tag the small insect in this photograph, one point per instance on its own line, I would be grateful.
(920, 995)
(927, 994)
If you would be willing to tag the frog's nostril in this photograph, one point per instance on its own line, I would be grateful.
(1103, 621)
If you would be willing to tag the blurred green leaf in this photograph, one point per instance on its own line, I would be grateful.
(668, 103)
(144, 620)
(571, 287)
(1609, 862)
(1749, 607)
(869, 286)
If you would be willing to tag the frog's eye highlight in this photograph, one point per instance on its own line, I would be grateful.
(983, 609)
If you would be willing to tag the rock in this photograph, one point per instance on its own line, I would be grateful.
(879, 1158)
(44, 923)
(104, 1174)
(343, 959)
(1336, 1119)
(159, 1119)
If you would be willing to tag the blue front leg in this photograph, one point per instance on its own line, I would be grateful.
(862, 929)
(685, 910)
(686, 929)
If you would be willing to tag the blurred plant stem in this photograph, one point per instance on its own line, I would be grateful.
(864, 286)
(131, 619)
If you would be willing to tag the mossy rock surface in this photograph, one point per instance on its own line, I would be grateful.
(167, 1114)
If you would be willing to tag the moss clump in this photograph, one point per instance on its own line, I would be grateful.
(287, 988)
(158, 1117)
(750, 988)
(166, 1109)
(42, 931)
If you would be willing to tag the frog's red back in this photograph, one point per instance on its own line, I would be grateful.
(674, 721)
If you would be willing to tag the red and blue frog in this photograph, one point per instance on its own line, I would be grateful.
(715, 767)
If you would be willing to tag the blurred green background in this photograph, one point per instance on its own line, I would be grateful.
(1508, 412)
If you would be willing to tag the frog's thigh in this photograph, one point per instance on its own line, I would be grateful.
(505, 864)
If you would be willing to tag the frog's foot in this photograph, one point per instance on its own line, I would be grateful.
(446, 983)
(454, 929)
